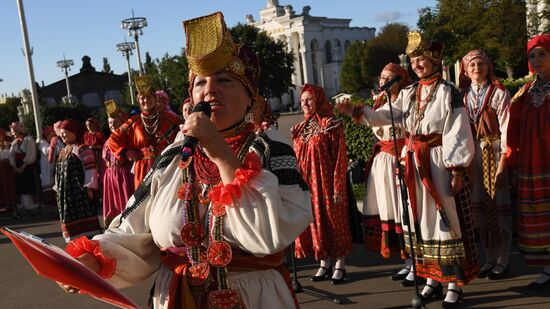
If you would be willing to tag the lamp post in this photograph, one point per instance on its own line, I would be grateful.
(30, 68)
(134, 25)
(126, 50)
(65, 65)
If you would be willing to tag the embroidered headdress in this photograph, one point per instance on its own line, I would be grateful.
(144, 85)
(465, 81)
(210, 49)
(418, 45)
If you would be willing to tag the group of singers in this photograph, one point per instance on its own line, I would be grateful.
(214, 227)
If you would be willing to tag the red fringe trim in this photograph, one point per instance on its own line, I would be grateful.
(224, 195)
(81, 245)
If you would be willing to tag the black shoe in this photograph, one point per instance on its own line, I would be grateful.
(341, 279)
(535, 285)
(325, 276)
(400, 276)
(408, 283)
(484, 273)
(435, 293)
(500, 275)
(449, 305)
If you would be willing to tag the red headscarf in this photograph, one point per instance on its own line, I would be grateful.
(542, 40)
(322, 105)
(399, 71)
(74, 127)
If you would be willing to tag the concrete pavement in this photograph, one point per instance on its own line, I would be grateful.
(368, 284)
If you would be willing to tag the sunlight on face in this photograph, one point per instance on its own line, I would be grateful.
(227, 96)
(422, 66)
(477, 70)
(307, 102)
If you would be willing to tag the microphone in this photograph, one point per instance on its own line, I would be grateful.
(190, 142)
(390, 83)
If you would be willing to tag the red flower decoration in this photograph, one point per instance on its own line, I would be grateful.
(79, 246)
(224, 195)
(219, 253)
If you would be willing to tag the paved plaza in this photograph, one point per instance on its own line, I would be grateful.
(368, 284)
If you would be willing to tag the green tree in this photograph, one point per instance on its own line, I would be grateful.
(352, 79)
(498, 27)
(384, 48)
(151, 69)
(277, 65)
(173, 74)
(106, 66)
(8, 111)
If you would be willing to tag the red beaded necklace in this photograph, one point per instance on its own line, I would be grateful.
(207, 171)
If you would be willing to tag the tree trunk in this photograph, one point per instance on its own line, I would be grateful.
(510, 71)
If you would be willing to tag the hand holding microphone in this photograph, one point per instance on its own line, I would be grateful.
(190, 142)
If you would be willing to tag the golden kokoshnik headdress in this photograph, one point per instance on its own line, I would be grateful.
(418, 45)
(210, 49)
(144, 85)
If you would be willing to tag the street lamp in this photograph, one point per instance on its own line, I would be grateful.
(65, 65)
(126, 50)
(134, 25)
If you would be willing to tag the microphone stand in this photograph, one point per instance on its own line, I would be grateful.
(416, 301)
(297, 287)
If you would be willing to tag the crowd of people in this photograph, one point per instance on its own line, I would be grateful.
(215, 227)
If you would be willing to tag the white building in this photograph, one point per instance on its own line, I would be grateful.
(537, 16)
(318, 45)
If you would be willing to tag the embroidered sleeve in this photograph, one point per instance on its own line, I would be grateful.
(79, 246)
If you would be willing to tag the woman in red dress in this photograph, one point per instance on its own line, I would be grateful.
(527, 157)
(118, 181)
(323, 160)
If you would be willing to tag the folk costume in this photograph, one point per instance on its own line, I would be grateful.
(118, 181)
(528, 152)
(75, 174)
(47, 171)
(320, 147)
(23, 155)
(147, 132)
(488, 107)
(381, 207)
(438, 142)
(8, 197)
(212, 245)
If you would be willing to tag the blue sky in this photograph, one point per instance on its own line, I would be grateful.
(75, 28)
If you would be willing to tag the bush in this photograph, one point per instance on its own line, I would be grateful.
(359, 141)
(513, 85)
